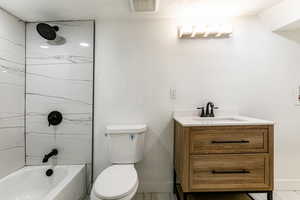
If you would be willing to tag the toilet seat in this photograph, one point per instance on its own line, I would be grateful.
(128, 197)
(116, 182)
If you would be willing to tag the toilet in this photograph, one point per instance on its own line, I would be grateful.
(126, 147)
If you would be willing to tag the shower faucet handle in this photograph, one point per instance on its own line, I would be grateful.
(55, 118)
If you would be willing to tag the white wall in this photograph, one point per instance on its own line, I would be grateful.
(283, 16)
(12, 88)
(138, 61)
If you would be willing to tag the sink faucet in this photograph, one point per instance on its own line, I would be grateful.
(208, 111)
(54, 152)
(211, 112)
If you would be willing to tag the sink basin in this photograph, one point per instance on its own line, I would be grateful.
(218, 119)
(194, 120)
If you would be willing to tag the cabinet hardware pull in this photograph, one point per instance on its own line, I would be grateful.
(230, 142)
(243, 171)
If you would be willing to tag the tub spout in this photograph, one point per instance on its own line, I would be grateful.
(54, 152)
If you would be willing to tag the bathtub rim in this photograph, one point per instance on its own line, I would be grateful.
(76, 169)
(73, 171)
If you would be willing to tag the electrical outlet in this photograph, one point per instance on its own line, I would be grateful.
(297, 96)
(172, 93)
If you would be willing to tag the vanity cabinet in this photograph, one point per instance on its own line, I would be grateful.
(223, 159)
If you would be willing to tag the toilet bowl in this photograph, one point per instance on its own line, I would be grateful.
(117, 182)
(120, 180)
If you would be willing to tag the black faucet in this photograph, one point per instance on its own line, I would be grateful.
(209, 111)
(54, 152)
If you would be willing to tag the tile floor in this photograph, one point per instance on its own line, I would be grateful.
(278, 195)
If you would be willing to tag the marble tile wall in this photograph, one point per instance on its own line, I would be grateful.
(60, 77)
(12, 89)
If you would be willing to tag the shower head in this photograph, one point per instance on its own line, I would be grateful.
(46, 31)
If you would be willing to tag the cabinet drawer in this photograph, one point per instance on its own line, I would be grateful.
(228, 140)
(230, 172)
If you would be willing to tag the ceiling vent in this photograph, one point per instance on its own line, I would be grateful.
(144, 6)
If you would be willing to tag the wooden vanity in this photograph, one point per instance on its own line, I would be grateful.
(235, 158)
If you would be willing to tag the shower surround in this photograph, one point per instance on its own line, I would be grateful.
(59, 77)
(12, 87)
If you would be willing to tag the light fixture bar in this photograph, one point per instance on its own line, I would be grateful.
(205, 31)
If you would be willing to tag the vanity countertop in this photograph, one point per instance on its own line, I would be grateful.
(228, 120)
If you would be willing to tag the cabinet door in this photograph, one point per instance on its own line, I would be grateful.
(231, 172)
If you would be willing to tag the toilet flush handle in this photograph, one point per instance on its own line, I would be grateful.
(132, 137)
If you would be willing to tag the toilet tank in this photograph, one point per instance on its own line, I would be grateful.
(126, 143)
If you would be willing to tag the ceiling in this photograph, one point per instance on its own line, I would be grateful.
(39, 10)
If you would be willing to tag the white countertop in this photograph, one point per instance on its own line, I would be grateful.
(234, 120)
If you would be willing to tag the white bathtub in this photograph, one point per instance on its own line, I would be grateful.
(31, 183)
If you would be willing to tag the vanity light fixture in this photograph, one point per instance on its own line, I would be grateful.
(185, 30)
(194, 32)
(205, 31)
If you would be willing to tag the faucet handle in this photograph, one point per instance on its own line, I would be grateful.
(202, 111)
(212, 114)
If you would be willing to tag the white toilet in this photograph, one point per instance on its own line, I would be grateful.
(120, 180)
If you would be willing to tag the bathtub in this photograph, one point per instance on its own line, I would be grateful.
(30, 183)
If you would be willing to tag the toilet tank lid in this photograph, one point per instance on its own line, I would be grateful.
(118, 129)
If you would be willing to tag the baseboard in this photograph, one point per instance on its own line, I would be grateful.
(155, 187)
(280, 184)
(287, 184)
